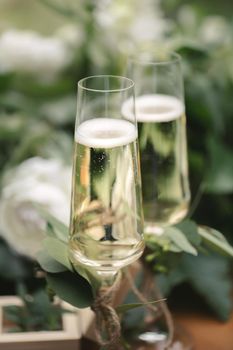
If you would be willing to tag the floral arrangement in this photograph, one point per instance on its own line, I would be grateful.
(38, 76)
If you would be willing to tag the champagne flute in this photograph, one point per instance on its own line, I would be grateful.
(106, 229)
(160, 112)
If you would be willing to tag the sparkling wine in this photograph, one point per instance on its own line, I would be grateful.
(163, 152)
(106, 231)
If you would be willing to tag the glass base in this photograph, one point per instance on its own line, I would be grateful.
(154, 339)
(102, 259)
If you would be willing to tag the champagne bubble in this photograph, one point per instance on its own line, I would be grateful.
(105, 133)
(154, 108)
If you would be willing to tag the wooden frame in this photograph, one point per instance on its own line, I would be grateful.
(68, 338)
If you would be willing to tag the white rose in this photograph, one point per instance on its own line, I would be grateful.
(131, 22)
(46, 182)
(28, 52)
(215, 30)
(71, 34)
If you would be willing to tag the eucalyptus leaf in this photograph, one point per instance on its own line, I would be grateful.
(175, 277)
(174, 248)
(179, 239)
(60, 230)
(58, 250)
(72, 288)
(189, 228)
(89, 275)
(127, 307)
(192, 51)
(48, 263)
(215, 240)
(209, 277)
(216, 233)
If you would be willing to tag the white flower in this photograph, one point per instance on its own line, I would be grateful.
(46, 182)
(28, 52)
(131, 22)
(215, 30)
(71, 34)
(148, 23)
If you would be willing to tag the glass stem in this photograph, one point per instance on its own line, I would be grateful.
(108, 278)
(107, 321)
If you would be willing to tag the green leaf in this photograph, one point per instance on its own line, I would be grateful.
(174, 248)
(12, 314)
(192, 51)
(216, 233)
(58, 250)
(215, 240)
(72, 288)
(89, 274)
(168, 281)
(189, 228)
(179, 239)
(48, 263)
(127, 307)
(209, 275)
(60, 230)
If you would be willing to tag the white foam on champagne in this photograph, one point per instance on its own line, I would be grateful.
(105, 133)
(154, 108)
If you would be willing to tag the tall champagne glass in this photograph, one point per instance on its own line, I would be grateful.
(160, 112)
(106, 230)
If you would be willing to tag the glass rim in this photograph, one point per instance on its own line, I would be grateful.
(174, 57)
(119, 77)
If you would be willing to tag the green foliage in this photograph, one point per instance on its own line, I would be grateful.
(215, 241)
(36, 314)
(209, 277)
(37, 118)
(58, 251)
(49, 264)
(55, 228)
(68, 282)
(71, 287)
(186, 237)
(180, 241)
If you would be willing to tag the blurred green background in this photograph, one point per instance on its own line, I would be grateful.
(47, 46)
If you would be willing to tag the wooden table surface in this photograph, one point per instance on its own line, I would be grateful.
(207, 333)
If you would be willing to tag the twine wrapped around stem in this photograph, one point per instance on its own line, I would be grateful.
(163, 310)
(108, 328)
